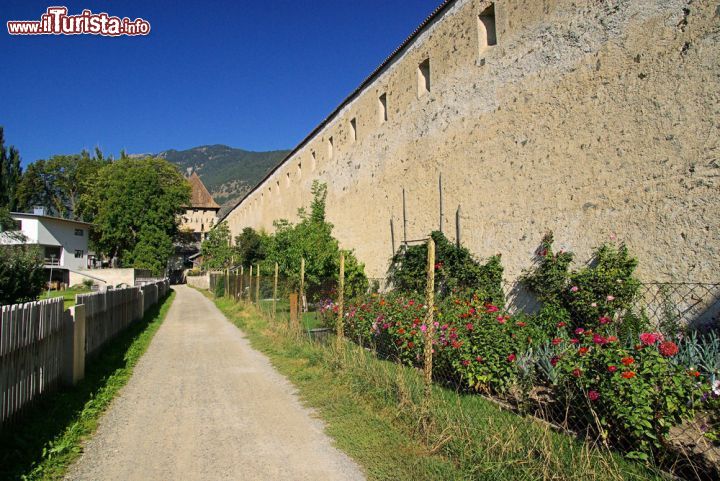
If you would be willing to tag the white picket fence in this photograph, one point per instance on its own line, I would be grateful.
(42, 345)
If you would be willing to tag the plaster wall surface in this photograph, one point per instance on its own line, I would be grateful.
(597, 120)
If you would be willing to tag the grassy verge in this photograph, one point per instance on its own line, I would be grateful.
(49, 439)
(68, 295)
(373, 410)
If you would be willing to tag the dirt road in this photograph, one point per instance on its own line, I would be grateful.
(203, 405)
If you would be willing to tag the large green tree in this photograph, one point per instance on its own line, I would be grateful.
(312, 240)
(216, 250)
(59, 182)
(251, 245)
(135, 206)
(10, 174)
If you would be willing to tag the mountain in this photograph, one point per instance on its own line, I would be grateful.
(228, 173)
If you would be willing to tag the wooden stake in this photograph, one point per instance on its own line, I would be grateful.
(429, 320)
(441, 201)
(250, 284)
(301, 301)
(404, 220)
(341, 301)
(275, 282)
(257, 285)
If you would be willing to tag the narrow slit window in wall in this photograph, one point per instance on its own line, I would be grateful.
(424, 77)
(353, 129)
(486, 28)
(330, 148)
(313, 164)
(382, 104)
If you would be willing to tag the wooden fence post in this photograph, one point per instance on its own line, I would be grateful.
(340, 328)
(257, 285)
(294, 310)
(429, 323)
(301, 301)
(240, 287)
(250, 283)
(275, 282)
(75, 345)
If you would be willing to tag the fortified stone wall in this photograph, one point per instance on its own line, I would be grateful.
(595, 119)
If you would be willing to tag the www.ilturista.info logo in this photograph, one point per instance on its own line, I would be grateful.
(56, 21)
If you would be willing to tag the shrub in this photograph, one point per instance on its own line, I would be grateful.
(456, 270)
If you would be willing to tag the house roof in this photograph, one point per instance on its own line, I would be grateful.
(200, 197)
(368, 80)
(49, 217)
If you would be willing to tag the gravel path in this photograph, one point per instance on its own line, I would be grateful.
(203, 405)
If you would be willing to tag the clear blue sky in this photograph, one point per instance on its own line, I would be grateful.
(254, 75)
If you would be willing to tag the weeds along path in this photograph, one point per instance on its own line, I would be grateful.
(203, 405)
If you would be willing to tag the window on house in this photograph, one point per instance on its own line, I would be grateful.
(486, 28)
(353, 129)
(287, 179)
(330, 148)
(277, 186)
(79, 232)
(314, 161)
(424, 77)
(299, 170)
(382, 100)
(79, 254)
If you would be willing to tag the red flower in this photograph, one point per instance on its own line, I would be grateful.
(561, 324)
(554, 360)
(574, 341)
(612, 339)
(511, 358)
(612, 368)
(456, 344)
(520, 324)
(627, 360)
(598, 339)
(604, 320)
(577, 372)
(465, 362)
(411, 344)
(628, 374)
(491, 308)
(583, 350)
(693, 373)
(556, 341)
(401, 331)
(593, 395)
(649, 338)
(479, 359)
(469, 326)
(668, 348)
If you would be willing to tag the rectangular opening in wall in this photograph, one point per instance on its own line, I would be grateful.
(353, 129)
(382, 104)
(277, 186)
(287, 179)
(424, 77)
(330, 148)
(299, 170)
(313, 163)
(486, 28)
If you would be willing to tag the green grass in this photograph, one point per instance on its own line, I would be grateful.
(373, 409)
(49, 438)
(68, 295)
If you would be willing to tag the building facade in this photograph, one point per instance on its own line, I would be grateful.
(202, 213)
(597, 120)
(63, 242)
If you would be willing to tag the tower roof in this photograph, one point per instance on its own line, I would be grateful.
(200, 197)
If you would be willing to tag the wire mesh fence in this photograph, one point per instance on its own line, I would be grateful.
(509, 388)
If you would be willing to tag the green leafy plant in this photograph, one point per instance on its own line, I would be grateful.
(456, 270)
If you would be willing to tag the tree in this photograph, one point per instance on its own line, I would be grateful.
(216, 250)
(21, 266)
(251, 246)
(10, 173)
(135, 205)
(59, 183)
(312, 240)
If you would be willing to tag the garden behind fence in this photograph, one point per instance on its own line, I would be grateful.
(473, 373)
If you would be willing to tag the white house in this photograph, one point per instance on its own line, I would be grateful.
(64, 242)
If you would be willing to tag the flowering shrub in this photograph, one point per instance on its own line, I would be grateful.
(631, 391)
(599, 294)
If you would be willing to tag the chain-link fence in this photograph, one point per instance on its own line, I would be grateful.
(504, 387)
